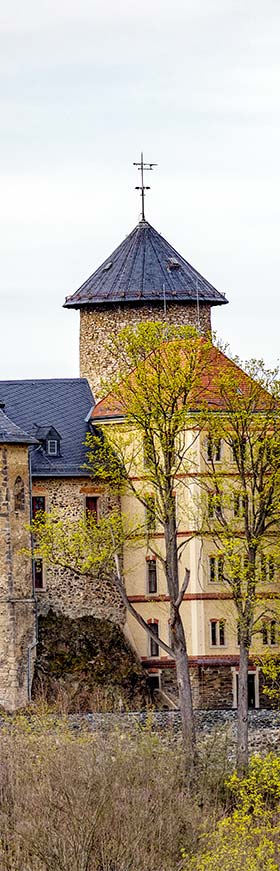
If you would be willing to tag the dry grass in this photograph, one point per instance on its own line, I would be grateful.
(99, 803)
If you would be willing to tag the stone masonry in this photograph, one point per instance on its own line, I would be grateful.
(98, 324)
(65, 592)
(17, 606)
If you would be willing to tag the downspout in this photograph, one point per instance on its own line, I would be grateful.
(32, 646)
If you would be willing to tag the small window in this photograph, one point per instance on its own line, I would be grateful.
(150, 511)
(152, 575)
(238, 505)
(92, 506)
(273, 632)
(19, 496)
(38, 574)
(38, 504)
(214, 505)
(214, 449)
(52, 447)
(147, 452)
(266, 568)
(217, 633)
(269, 632)
(216, 569)
(154, 648)
(265, 633)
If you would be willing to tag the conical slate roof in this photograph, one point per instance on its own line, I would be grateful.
(145, 268)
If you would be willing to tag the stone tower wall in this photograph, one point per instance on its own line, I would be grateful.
(96, 326)
(17, 608)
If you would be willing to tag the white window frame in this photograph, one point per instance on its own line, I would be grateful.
(152, 559)
(216, 557)
(217, 620)
(153, 621)
(50, 452)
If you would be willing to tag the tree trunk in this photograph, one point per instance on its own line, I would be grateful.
(178, 639)
(242, 713)
(184, 685)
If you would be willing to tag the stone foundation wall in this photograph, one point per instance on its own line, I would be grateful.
(64, 591)
(96, 326)
(212, 686)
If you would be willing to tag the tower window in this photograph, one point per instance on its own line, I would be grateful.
(19, 496)
(38, 574)
(152, 575)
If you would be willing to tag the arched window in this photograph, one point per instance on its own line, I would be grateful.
(19, 494)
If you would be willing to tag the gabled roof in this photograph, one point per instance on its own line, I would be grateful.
(206, 392)
(145, 267)
(62, 403)
(10, 433)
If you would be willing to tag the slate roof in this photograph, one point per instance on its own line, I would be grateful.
(137, 271)
(10, 433)
(62, 403)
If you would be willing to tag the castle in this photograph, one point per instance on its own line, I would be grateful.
(43, 425)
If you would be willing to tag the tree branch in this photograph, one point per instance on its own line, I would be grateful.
(121, 588)
(183, 589)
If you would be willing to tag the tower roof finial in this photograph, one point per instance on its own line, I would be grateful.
(143, 167)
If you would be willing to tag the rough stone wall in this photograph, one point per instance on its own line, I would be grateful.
(96, 326)
(87, 664)
(64, 591)
(211, 686)
(17, 614)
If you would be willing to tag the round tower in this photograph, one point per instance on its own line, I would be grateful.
(145, 278)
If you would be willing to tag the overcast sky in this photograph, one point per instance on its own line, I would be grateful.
(84, 86)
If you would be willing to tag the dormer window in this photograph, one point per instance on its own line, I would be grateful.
(49, 438)
(52, 447)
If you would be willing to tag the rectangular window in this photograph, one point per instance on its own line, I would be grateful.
(52, 447)
(217, 633)
(214, 449)
(38, 574)
(154, 648)
(147, 452)
(152, 575)
(211, 505)
(213, 626)
(266, 568)
(38, 504)
(265, 633)
(150, 511)
(273, 632)
(271, 568)
(212, 569)
(216, 569)
(92, 506)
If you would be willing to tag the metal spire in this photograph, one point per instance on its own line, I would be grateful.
(143, 167)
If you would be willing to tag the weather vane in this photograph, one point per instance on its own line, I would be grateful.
(142, 187)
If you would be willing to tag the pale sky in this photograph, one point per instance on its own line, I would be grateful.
(84, 86)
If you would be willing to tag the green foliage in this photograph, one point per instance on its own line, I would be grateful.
(270, 667)
(80, 544)
(247, 839)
